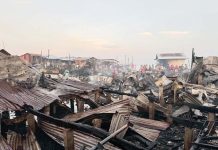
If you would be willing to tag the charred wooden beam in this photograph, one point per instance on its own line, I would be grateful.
(31, 122)
(85, 128)
(119, 93)
(210, 138)
(203, 145)
(161, 96)
(151, 110)
(72, 105)
(188, 138)
(188, 123)
(203, 108)
(0, 123)
(110, 136)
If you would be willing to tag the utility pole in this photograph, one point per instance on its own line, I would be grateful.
(41, 57)
(48, 53)
(3, 44)
(69, 58)
(125, 60)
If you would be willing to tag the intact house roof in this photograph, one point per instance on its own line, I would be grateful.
(170, 56)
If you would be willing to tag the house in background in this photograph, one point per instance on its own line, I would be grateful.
(31, 58)
(168, 59)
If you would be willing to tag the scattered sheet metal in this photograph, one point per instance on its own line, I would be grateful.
(110, 108)
(17, 141)
(147, 133)
(12, 96)
(3, 144)
(81, 139)
(148, 123)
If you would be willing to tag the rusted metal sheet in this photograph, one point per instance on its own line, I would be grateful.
(5, 105)
(81, 139)
(4, 145)
(148, 123)
(110, 108)
(80, 85)
(119, 119)
(147, 133)
(27, 142)
(13, 97)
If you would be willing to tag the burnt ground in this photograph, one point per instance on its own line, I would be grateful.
(170, 139)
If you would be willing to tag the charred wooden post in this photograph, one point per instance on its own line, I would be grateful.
(151, 110)
(109, 96)
(211, 119)
(31, 122)
(53, 109)
(46, 110)
(72, 105)
(97, 96)
(80, 105)
(97, 123)
(169, 113)
(0, 123)
(161, 96)
(68, 139)
(188, 138)
(175, 86)
(200, 79)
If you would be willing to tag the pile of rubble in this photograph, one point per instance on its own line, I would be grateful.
(134, 111)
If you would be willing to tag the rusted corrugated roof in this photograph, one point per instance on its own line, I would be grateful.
(5, 105)
(11, 97)
(80, 85)
(81, 139)
(3, 144)
(148, 123)
(110, 108)
(28, 142)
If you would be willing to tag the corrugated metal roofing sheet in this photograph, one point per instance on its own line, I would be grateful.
(28, 142)
(80, 138)
(80, 85)
(11, 97)
(3, 144)
(110, 108)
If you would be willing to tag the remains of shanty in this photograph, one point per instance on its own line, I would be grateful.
(91, 104)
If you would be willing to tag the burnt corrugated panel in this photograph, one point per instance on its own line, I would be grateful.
(147, 133)
(5, 105)
(80, 85)
(110, 108)
(81, 139)
(18, 96)
(148, 123)
(4, 145)
(27, 142)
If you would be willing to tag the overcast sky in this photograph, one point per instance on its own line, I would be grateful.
(109, 28)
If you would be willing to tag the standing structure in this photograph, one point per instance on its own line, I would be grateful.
(175, 59)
